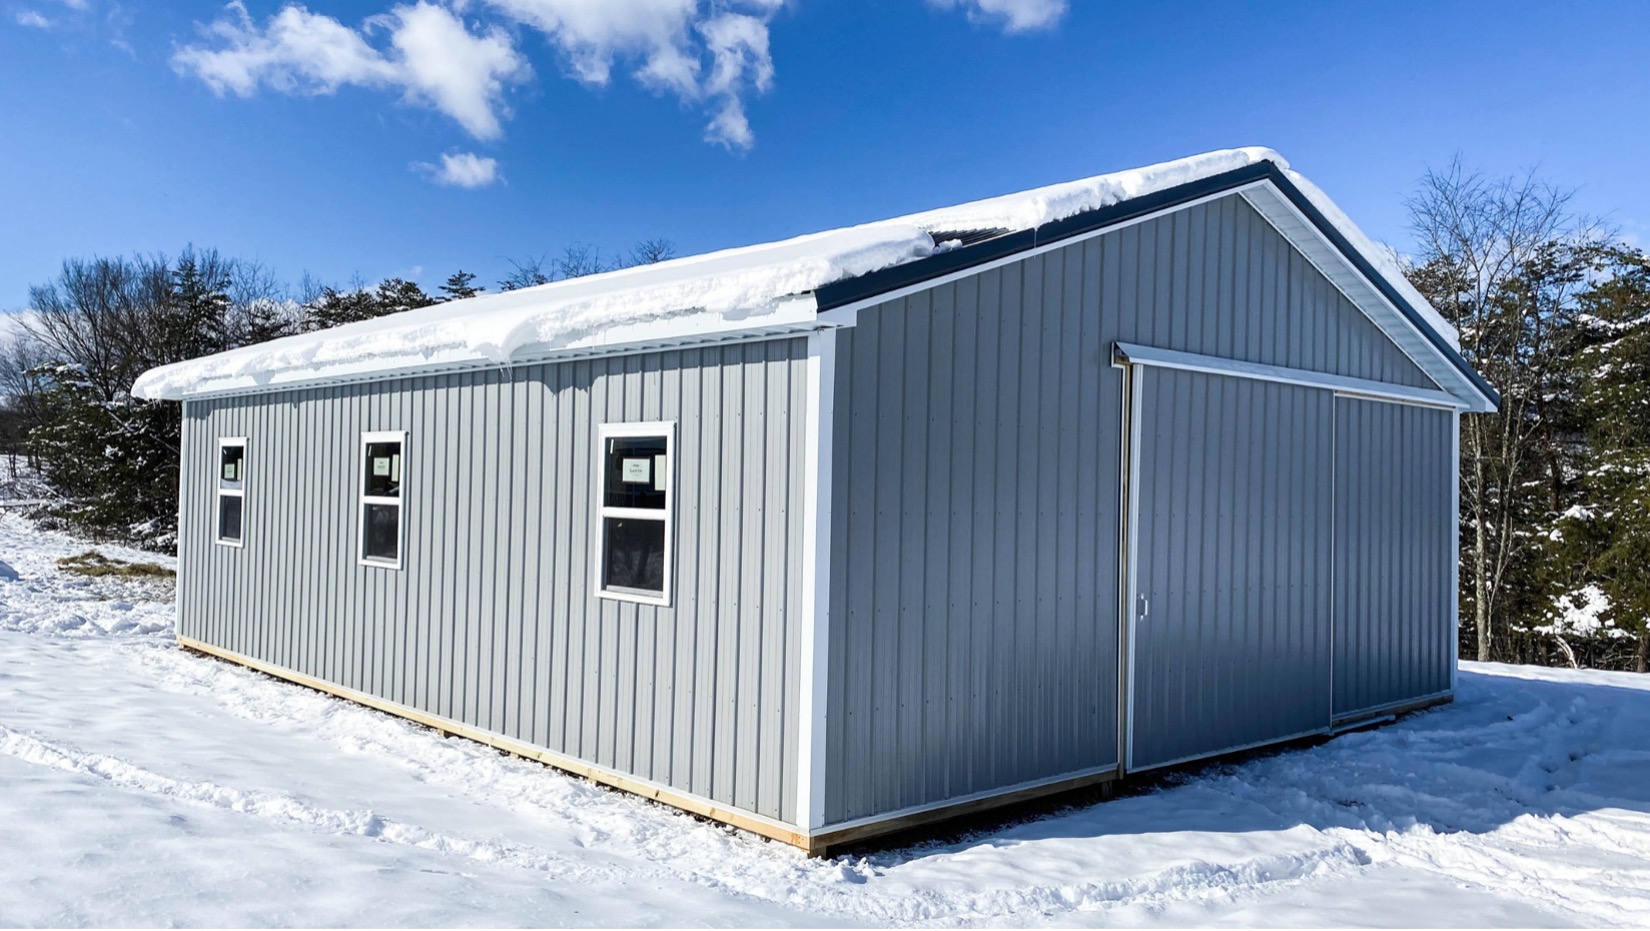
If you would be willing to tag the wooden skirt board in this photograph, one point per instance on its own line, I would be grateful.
(816, 844)
(744, 820)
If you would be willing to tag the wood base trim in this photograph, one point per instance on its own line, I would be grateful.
(816, 844)
(703, 807)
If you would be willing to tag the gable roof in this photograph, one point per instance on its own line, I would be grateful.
(783, 287)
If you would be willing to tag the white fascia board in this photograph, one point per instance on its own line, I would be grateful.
(1310, 241)
(794, 316)
(1340, 384)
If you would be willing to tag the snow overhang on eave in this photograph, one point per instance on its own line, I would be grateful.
(796, 316)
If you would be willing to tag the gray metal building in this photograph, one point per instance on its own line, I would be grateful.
(1162, 478)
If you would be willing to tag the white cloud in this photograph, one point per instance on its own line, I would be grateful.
(1012, 15)
(712, 54)
(462, 169)
(33, 20)
(433, 58)
(75, 4)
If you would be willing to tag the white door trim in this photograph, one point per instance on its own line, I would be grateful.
(1340, 384)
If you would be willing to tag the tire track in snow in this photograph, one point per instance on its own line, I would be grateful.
(1520, 833)
(1198, 882)
(690, 850)
(1191, 882)
(292, 811)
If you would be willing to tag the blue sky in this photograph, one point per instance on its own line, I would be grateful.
(317, 138)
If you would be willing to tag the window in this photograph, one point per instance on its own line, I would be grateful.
(634, 497)
(231, 490)
(381, 496)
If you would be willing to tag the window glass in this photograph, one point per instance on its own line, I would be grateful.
(382, 533)
(637, 472)
(383, 470)
(233, 461)
(229, 517)
(635, 556)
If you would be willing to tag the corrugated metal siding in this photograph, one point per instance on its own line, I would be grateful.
(973, 617)
(1235, 517)
(1394, 553)
(493, 621)
(975, 585)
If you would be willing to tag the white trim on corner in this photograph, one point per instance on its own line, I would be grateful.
(1455, 548)
(218, 539)
(848, 314)
(816, 580)
(604, 432)
(363, 499)
(185, 529)
(1340, 384)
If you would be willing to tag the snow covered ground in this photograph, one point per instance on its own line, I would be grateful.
(141, 785)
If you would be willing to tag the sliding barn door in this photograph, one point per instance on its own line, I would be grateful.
(1395, 554)
(1231, 517)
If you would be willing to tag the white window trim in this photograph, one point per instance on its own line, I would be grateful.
(364, 499)
(218, 538)
(604, 432)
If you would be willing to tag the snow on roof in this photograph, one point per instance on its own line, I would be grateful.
(734, 289)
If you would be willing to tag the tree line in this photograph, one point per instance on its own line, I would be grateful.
(1554, 311)
(1552, 308)
(108, 462)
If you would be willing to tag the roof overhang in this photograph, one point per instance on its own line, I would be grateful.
(1264, 186)
(797, 316)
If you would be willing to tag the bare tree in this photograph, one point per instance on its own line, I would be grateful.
(525, 273)
(96, 315)
(581, 259)
(652, 251)
(1499, 258)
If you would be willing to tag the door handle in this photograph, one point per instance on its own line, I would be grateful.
(1144, 609)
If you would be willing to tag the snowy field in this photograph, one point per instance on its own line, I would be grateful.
(143, 786)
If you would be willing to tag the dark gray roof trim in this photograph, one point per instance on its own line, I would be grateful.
(854, 290)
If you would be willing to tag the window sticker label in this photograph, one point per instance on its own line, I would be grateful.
(231, 471)
(658, 473)
(381, 465)
(637, 471)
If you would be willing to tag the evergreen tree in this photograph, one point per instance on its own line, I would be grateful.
(336, 308)
(1616, 405)
(264, 319)
(459, 285)
(195, 321)
(395, 295)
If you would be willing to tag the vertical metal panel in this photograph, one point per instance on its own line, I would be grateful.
(1250, 664)
(493, 621)
(1394, 548)
(1012, 481)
